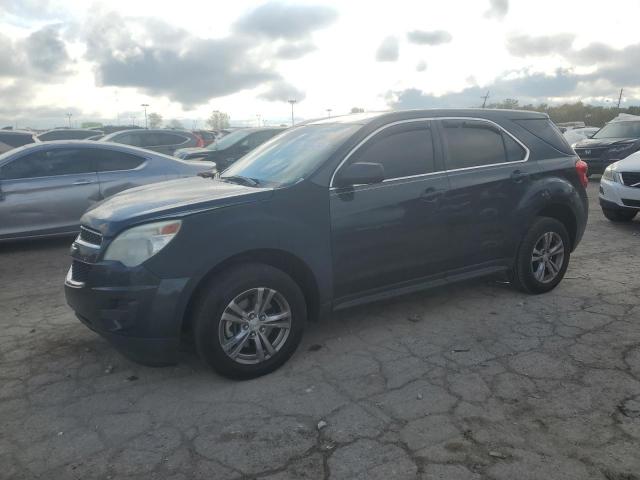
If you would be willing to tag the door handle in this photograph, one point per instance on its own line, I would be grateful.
(82, 182)
(518, 176)
(431, 195)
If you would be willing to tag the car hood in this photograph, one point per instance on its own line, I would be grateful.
(603, 142)
(629, 164)
(174, 198)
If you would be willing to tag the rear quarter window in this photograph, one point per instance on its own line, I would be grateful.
(545, 130)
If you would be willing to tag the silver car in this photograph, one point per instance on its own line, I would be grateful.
(46, 187)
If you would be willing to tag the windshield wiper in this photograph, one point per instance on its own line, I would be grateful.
(251, 182)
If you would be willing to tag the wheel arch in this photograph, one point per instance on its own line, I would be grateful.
(289, 263)
(565, 215)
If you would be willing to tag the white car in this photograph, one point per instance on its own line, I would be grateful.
(620, 189)
(576, 134)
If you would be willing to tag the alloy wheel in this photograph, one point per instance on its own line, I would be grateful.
(255, 325)
(547, 257)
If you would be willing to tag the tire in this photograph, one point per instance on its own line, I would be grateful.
(248, 337)
(523, 276)
(619, 215)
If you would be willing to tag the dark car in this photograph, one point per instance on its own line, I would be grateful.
(10, 139)
(160, 140)
(208, 137)
(616, 140)
(45, 187)
(230, 147)
(68, 134)
(325, 216)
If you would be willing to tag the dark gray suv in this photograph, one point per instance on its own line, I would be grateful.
(326, 216)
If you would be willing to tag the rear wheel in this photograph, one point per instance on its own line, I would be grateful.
(619, 215)
(543, 257)
(249, 321)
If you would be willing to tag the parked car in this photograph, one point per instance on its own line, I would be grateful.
(230, 147)
(577, 134)
(46, 187)
(160, 140)
(68, 134)
(328, 215)
(107, 129)
(616, 140)
(208, 137)
(620, 189)
(10, 139)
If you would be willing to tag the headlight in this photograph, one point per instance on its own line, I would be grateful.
(611, 174)
(137, 244)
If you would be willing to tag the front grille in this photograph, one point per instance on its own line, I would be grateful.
(79, 271)
(631, 179)
(90, 236)
(595, 152)
(631, 203)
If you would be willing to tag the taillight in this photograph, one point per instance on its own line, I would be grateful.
(199, 140)
(583, 171)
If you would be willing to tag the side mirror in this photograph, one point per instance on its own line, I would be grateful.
(360, 173)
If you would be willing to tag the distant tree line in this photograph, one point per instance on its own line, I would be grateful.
(591, 115)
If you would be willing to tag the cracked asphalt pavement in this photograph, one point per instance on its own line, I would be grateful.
(466, 382)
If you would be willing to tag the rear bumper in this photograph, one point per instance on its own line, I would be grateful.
(132, 309)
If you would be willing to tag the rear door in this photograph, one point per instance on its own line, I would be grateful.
(489, 174)
(46, 191)
(118, 171)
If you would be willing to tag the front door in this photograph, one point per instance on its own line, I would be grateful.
(46, 192)
(390, 233)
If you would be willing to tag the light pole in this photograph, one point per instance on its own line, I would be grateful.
(69, 115)
(145, 105)
(329, 112)
(292, 102)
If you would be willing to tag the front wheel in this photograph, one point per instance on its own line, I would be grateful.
(249, 321)
(543, 257)
(618, 214)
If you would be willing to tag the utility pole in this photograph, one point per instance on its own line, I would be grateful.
(145, 105)
(620, 98)
(329, 112)
(485, 96)
(69, 115)
(292, 102)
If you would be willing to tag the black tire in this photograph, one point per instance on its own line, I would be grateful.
(619, 215)
(522, 276)
(218, 294)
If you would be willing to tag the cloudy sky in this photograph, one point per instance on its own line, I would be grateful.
(100, 60)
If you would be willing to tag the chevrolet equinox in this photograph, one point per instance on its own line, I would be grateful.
(325, 216)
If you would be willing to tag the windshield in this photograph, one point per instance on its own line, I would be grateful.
(292, 155)
(228, 140)
(619, 130)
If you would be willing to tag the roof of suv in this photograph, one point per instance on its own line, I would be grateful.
(488, 113)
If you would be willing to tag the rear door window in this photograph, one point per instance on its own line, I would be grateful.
(111, 160)
(166, 138)
(128, 138)
(474, 143)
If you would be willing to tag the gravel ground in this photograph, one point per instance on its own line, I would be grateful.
(466, 382)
